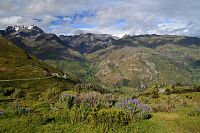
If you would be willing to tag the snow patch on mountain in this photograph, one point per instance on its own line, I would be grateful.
(30, 27)
(16, 28)
(23, 27)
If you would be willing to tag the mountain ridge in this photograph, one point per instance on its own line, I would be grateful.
(134, 61)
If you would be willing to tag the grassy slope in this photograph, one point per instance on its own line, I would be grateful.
(16, 64)
(82, 69)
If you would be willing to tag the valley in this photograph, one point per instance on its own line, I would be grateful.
(131, 61)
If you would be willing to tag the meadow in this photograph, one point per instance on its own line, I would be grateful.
(69, 110)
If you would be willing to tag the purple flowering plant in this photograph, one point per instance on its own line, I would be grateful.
(134, 107)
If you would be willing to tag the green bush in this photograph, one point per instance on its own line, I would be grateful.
(68, 100)
(95, 99)
(91, 116)
(51, 94)
(7, 91)
(189, 97)
(110, 117)
(19, 93)
(167, 105)
(33, 95)
(168, 91)
(195, 112)
(155, 93)
(79, 114)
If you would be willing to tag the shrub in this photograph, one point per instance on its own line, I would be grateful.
(90, 99)
(183, 102)
(135, 109)
(155, 93)
(195, 112)
(51, 94)
(33, 95)
(164, 105)
(19, 93)
(106, 101)
(95, 99)
(79, 114)
(22, 110)
(69, 99)
(109, 117)
(7, 91)
(198, 89)
(168, 91)
(189, 97)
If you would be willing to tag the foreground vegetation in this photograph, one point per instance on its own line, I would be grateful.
(56, 110)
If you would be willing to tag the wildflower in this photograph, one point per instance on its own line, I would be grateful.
(130, 108)
(125, 102)
(132, 100)
(136, 101)
(133, 106)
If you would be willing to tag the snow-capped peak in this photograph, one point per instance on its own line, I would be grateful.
(30, 27)
(17, 28)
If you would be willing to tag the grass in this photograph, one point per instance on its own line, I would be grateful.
(178, 120)
(47, 117)
(175, 122)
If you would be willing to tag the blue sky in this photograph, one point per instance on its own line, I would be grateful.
(73, 20)
(116, 17)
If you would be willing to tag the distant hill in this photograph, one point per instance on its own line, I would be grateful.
(139, 61)
(133, 61)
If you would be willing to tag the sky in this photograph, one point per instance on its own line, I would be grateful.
(115, 17)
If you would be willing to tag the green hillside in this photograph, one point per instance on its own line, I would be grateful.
(25, 72)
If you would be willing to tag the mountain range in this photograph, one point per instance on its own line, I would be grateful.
(131, 61)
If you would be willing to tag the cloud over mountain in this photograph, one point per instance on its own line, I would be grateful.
(116, 17)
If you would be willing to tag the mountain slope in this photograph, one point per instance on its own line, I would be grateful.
(21, 71)
(88, 43)
(34, 40)
(139, 61)
(152, 41)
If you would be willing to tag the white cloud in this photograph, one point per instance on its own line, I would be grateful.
(13, 20)
(141, 16)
